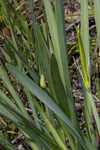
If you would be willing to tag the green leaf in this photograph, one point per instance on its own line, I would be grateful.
(58, 87)
(97, 12)
(94, 110)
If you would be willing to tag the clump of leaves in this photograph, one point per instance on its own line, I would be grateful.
(50, 125)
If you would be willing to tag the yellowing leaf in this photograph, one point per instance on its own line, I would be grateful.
(42, 81)
(83, 61)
